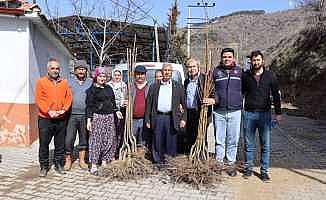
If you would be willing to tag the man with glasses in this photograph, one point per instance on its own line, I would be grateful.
(53, 99)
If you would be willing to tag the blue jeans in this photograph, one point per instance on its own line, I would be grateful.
(138, 128)
(262, 122)
(227, 133)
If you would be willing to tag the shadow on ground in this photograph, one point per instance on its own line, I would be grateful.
(298, 145)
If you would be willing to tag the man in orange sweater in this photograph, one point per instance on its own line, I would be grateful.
(53, 99)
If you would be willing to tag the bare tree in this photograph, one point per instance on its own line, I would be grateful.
(101, 21)
(124, 12)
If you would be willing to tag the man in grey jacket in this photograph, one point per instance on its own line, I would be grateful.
(77, 120)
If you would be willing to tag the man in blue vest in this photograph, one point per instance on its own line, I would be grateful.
(227, 110)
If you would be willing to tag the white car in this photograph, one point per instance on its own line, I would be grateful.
(177, 74)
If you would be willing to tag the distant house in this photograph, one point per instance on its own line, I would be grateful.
(26, 44)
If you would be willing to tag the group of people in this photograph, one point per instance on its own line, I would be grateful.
(95, 109)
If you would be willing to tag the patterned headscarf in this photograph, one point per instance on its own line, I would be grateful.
(100, 70)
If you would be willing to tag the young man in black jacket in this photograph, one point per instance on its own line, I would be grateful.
(257, 86)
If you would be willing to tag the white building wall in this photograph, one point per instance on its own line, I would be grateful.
(42, 46)
(14, 60)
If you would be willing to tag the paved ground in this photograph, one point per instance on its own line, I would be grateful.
(298, 172)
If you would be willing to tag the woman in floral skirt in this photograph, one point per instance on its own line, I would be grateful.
(100, 110)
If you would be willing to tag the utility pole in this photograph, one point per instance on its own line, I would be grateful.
(157, 44)
(188, 35)
(198, 5)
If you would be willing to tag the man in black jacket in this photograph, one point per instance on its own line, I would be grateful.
(257, 86)
(164, 115)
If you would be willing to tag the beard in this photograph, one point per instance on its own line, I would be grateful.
(257, 67)
(81, 76)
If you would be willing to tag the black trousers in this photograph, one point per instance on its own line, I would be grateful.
(76, 123)
(49, 128)
(191, 128)
(119, 126)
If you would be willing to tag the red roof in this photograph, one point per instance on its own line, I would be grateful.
(27, 6)
(11, 11)
(23, 8)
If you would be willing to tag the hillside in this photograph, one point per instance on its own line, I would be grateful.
(301, 70)
(250, 30)
(294, 50)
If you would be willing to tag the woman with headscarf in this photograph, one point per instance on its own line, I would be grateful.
(100, 110)
(120, 93)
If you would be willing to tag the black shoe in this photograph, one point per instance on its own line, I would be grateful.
(264, 177)
(159, 166)
(247, 173)
(43, 172)
(231, 172)
(60, 170)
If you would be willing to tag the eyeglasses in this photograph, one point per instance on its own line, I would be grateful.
(227, 56)
(54, 68)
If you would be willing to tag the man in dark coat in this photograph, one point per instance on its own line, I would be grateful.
(193, 102)
(258, 84)
(165, 115)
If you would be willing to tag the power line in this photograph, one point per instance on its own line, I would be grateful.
(204, 5)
